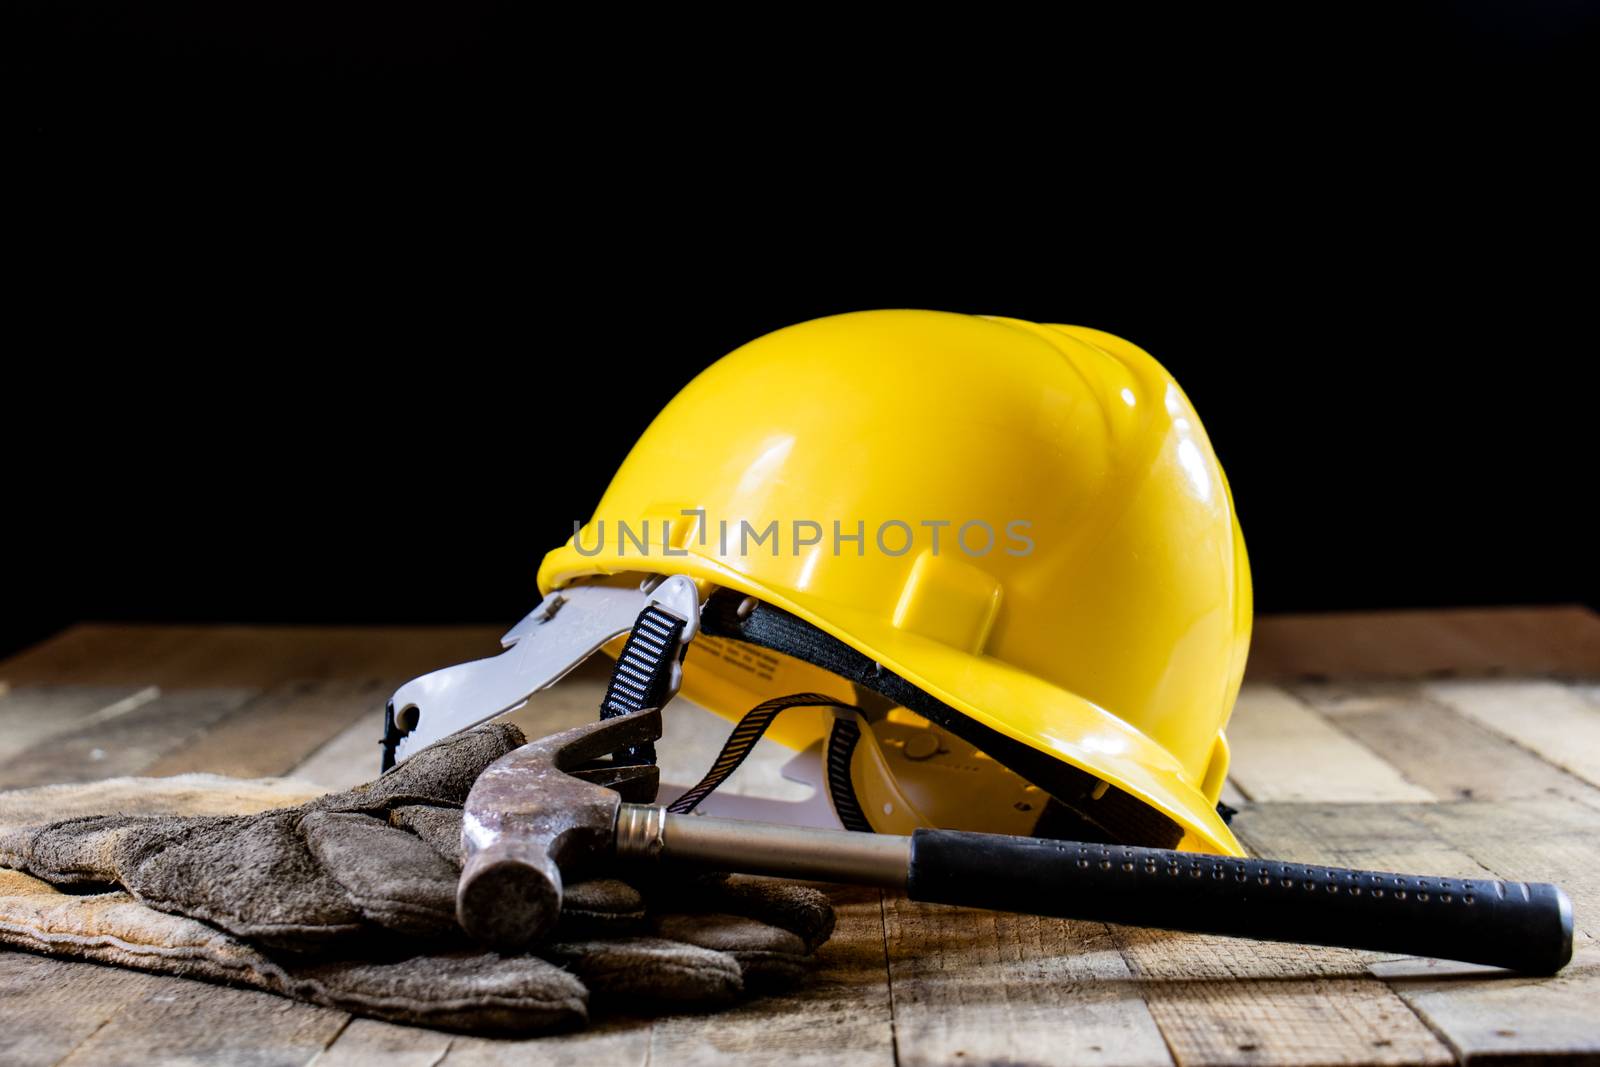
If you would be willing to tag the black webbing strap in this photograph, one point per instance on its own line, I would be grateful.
(642, 675)
(743, 740)
(841, 749)
(1114, 816)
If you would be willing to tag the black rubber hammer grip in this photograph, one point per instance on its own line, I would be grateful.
(1522, 926)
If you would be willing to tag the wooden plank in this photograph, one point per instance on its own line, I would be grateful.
(1507, 1018)
(184, 1022)
(1446, 753)
(1545, 839)
(370, 1043)
(350, 757)
(50, 1007)
(841, 1014)
(250, 656)
(1230, 1001)
(619, 1041)
(1482, 1013)
(279, 729)
(32, 714)
(1419, 644)
(109, 747)
(975, 987)
(1283, 751)
(1544, 717)
(1384, 837)
(99, 655)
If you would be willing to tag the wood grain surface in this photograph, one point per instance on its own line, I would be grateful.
(1460, 743)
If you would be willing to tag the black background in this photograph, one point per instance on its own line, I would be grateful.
(343, 314)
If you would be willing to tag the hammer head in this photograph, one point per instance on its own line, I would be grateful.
(549, 804)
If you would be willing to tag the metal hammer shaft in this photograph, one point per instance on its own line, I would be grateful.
(647, 832)
(1521, 926)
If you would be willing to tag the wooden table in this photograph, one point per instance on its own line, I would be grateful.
(1457, 743)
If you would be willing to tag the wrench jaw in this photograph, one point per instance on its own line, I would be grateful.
(433, 706)
(567, 627)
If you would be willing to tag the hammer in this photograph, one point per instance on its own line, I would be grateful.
(554, 804)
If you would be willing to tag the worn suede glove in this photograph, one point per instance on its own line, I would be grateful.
(348, 900)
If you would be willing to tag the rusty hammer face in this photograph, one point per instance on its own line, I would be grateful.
(539, 808)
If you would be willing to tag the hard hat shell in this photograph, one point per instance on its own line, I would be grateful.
(1088, 596)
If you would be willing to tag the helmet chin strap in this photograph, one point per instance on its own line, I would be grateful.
(1084, 808)
(841, 745)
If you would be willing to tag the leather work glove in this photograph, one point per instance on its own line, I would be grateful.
(348, 900)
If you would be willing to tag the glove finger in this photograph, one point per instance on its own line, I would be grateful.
(649, 970)
(253, 876)
(440, 774)
(73, 851)
(803, 910)
(769, 957)
(439, 827)
(599, 907)
(395, 880)
(479, 992)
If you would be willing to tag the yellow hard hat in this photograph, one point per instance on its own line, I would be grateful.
(1008, 545)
